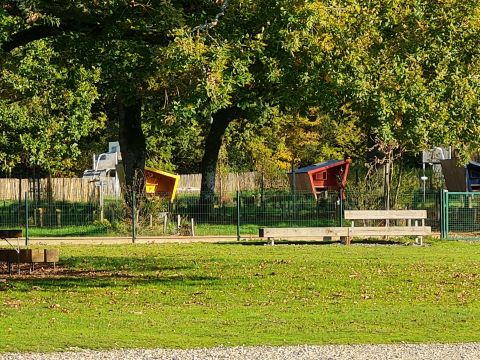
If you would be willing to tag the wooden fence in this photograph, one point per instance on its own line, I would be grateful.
(58, 189)
(85, 190)
(226, 183)
(231, 182)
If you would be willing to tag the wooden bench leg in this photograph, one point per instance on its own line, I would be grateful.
(348, 239)
(419, 240)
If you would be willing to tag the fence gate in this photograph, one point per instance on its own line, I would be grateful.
(461, 215)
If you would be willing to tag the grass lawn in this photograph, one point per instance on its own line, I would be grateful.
(196, 295)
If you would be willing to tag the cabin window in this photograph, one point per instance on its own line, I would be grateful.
(321, 175)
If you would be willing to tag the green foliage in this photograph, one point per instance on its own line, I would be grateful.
(45, 108)
(409, 70)
(321, 78)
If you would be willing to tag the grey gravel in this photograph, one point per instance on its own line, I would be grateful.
(470, 351)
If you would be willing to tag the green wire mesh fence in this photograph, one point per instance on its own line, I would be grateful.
(240, 213)
(462, 215)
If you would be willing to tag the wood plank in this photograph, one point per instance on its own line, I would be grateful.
(31, 256)
(52, 255)
(384, 214)
(6, 234)
(391, 231)
(303, 232)
(364, 231)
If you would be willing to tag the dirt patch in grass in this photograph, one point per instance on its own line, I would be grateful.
(43, 271)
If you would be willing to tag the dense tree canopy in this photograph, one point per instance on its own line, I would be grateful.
(288, 81)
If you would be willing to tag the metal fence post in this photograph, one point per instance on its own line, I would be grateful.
(238, 215)
(26, 219)
(134, 220)
(443, 214)
(341, 207)
(446, 206)
(442, 233)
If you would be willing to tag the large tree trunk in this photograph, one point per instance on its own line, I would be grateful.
(213, 142)
(132, 144)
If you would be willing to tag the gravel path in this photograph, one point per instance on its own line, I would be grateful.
(328, 352)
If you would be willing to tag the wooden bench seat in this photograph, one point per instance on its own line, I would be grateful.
(415, 223)
(415, 226)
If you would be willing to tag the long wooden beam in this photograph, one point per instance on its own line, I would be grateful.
(385, 214)
(364, 231)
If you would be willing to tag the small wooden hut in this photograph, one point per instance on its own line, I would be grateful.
(157, 182)
(161, 183)
(328, 175)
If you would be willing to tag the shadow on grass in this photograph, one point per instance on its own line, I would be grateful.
(313, 242)
(103, 272)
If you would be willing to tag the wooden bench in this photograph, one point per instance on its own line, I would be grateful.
(308, 232)
(29, 256)
(415, 223)
(15, 252)
(415, 226)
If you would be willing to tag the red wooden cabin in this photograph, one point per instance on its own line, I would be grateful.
(329, 175)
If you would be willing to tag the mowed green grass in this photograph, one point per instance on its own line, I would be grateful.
(196, 295)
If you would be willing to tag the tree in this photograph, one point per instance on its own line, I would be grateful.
(407, 70)
(45, 109)
(120, 37)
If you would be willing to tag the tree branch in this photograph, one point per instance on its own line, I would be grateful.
(94, 27)
(38, 32)
(214, 22)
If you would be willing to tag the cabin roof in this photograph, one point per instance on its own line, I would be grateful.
(319, 166)
(164, 173)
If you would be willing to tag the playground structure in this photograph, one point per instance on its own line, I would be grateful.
(107, 166)
(157, 183)
(461, 178)
(161, 183)
(321, 177)
(104, 167)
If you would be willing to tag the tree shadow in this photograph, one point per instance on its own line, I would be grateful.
(102, 272)
(277, 242)
(313, 242)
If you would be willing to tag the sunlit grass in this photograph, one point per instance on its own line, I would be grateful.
(197, 295)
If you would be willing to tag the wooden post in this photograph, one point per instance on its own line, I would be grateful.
(59, 217)
(350, 233)
(100, 200)
(40, 216)
(151, 220)
(165, 222)
(193, 227)
(178, 222)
